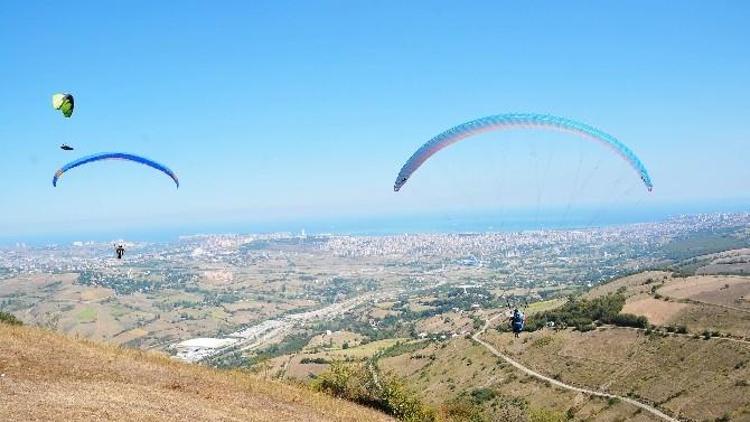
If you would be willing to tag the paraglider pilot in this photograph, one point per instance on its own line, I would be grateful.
(517, 322)
(120, 251)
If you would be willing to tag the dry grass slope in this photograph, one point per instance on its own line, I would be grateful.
(51, 377)
(694, 379)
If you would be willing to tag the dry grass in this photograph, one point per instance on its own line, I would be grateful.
(713, 303)
(634, 284)
(700, 317)
(697, 379)
(454, 322)
(720, 290)
(657, 311)
(545, 305)
(335, 340)
(52, 377)
(442, 371)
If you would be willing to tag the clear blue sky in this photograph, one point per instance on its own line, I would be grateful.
(299, 110)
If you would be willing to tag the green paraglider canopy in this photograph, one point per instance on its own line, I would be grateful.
(64, 103)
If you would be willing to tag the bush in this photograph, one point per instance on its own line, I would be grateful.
(628, 320)
(402, 403)
(482, 395)
(544, 415)
(358, 383)
(314, 360)
(461, 409)
(8, 318)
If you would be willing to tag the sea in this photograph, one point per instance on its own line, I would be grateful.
(432, 222)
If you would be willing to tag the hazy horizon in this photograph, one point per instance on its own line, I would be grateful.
(444, 222)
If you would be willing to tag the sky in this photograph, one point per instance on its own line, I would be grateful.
(286, 111)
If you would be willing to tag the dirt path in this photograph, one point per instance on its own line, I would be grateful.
(686, 335)
(644, 406)
(716, 305)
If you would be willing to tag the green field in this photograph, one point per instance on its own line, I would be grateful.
(88, 314)
(544, 305)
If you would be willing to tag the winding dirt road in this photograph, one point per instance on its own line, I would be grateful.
(557, 383)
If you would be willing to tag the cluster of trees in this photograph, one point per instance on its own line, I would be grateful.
(124, 284)
(449, 299)
(584, 314)
(364, 384)
(706, 242)
(291, 344)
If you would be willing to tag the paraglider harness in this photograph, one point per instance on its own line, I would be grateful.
(518, 320)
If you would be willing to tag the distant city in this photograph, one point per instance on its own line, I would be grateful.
(526, 256)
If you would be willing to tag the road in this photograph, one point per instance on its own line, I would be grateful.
(272, 330)
(557, 383)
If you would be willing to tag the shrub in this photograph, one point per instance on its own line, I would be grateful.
(544, 415)
(9, 318)
(482, 395)
(461, 409)
(358, 383)
(629, 320)
(314, 360)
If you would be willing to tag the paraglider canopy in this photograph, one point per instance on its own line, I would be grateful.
(115, 156)
(519, 120)
(64, 103)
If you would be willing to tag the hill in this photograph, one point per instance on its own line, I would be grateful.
(47, 376)
(672, 366)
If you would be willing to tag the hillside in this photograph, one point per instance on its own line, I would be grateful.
(47, 376)
(688, 375)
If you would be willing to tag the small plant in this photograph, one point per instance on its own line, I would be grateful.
(9, 318)
(482, 395)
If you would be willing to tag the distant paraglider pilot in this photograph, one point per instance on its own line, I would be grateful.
(66, 147)
(517, 322)
(120, 251)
